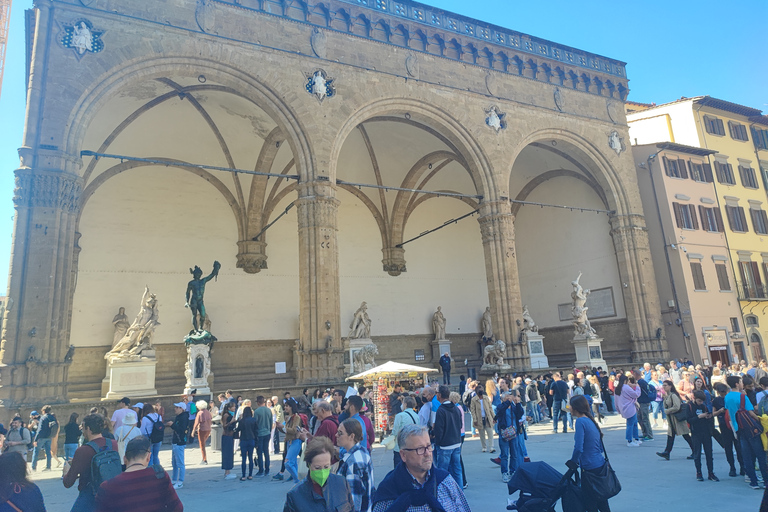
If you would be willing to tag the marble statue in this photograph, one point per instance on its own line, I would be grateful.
(360, 327)
(318, 85)
(195, 293)
(528, 323)
(438, 324)
(82, 39)
(487, 325)
(364, 358)
(581, 324)
(121, 324)
(139, 335)
(493, 354)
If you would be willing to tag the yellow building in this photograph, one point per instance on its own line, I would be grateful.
(737, 167)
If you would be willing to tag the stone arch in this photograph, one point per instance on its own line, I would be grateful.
(588, 158)
(241, 83)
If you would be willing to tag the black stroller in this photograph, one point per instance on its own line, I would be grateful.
(541, 486)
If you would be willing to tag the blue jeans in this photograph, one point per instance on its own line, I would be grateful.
(450, 460)
(518, 444)
(85, 502)
(69, 450)
(177, 458)
(557, 413)
(751, 450)
(631, 433)
(291, 458)
(42, 445)
(262, 450)
(532, 410)
(506, 450)
(155, 453)
(656, 408)
(246, 455)
(570, 419)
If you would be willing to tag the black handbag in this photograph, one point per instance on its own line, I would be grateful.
(682, 414)
(601, 483)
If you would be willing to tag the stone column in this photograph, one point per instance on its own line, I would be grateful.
(321, 354)
(498, 231)
(34, 357)
(641, 298)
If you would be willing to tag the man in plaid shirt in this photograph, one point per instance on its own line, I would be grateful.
(355, 464)
(416, 485)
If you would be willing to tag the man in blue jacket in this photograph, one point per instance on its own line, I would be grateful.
(445, 364)
(447, 435)
(644, 407)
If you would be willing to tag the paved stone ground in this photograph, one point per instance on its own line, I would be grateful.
(647, 480)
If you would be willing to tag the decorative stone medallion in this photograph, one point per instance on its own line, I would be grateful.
(495, 118)
(412, 66)
(558, 99)
(82, 37)
(616, 143)
(318, 40)
(320, 85)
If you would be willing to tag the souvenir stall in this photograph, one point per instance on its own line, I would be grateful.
(382, 380)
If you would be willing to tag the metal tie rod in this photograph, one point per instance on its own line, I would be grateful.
(168, 163)
(446, 223)
(417, 191)
(581, 209)
(256, 238)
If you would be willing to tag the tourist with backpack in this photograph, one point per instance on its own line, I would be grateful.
(143, 486)
(48, 427)
(94, 462)
(124, 433)
(745, 423)
(18, 438)
(702, 424)
(647, 395)
(153, 429)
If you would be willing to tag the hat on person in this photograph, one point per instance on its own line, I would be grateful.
(527, 381)
(138, 405)
(182, 405)
(130, 418)
(34, 413)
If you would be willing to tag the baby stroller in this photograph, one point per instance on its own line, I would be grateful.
(541, 486)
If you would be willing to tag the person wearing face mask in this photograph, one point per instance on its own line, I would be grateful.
(320, 491)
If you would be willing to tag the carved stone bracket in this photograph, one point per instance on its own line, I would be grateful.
(47, 189)
(251, 256)
(394, 260)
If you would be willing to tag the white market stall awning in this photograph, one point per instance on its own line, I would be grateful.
(392, 368)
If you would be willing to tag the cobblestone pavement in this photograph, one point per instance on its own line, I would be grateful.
(647, 480)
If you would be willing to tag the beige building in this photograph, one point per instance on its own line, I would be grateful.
(711, 174)
(356, 110)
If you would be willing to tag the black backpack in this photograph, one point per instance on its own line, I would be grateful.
(158, 430)
(105, 464)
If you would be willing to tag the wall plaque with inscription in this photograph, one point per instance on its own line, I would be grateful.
(600, 302)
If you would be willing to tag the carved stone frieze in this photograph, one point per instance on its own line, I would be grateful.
(47, 190)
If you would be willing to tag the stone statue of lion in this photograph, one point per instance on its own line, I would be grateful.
(494, 353)
(364, 357)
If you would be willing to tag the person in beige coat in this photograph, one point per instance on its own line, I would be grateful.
(672, 404)
(483, 418)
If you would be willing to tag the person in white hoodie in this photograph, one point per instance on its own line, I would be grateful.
(127, 431)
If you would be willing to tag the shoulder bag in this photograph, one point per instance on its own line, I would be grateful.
(682, 413)
(602, 482)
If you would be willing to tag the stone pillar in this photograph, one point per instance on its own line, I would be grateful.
(34, 351)
(321, 352)
(498, 233)
(641, 298)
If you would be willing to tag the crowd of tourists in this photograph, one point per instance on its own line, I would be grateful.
(113, 457)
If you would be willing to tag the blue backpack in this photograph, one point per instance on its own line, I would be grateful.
(652, 392)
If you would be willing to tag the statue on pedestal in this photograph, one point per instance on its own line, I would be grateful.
(487, 325)
(138, 336)
(364, 358)
(438, 324)
(360, 328)
(528, 323)
(581, 325)
(195, 293)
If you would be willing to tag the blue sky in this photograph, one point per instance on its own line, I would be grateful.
(673, 48)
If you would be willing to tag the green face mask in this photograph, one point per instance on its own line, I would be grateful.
(320, 475)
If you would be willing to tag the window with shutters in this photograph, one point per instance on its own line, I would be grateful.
(685, 216)
(698, 276)
(738, 131)
(735, 324)
(748, 177)
(760, 137)
(713, 125)
(697, 172)
(751, 284)
(711, 220)
(675, 168)
(724, 173)
(736, 218)
(722, 277)
(759, 221)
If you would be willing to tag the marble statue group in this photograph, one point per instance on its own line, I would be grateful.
(131, 339)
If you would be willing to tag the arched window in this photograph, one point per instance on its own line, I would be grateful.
(751, 321)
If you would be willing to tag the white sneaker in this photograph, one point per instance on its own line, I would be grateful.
(638, 442)
(506, 477)
(230, 477)
(484, 450)
(632, 443)
(179, 485)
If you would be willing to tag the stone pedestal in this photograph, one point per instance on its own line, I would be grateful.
(440, 347)
(536, 350)
(589, 352)
(130, 378)
(197, 369)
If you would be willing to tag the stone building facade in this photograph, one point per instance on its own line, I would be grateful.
(329, 98)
